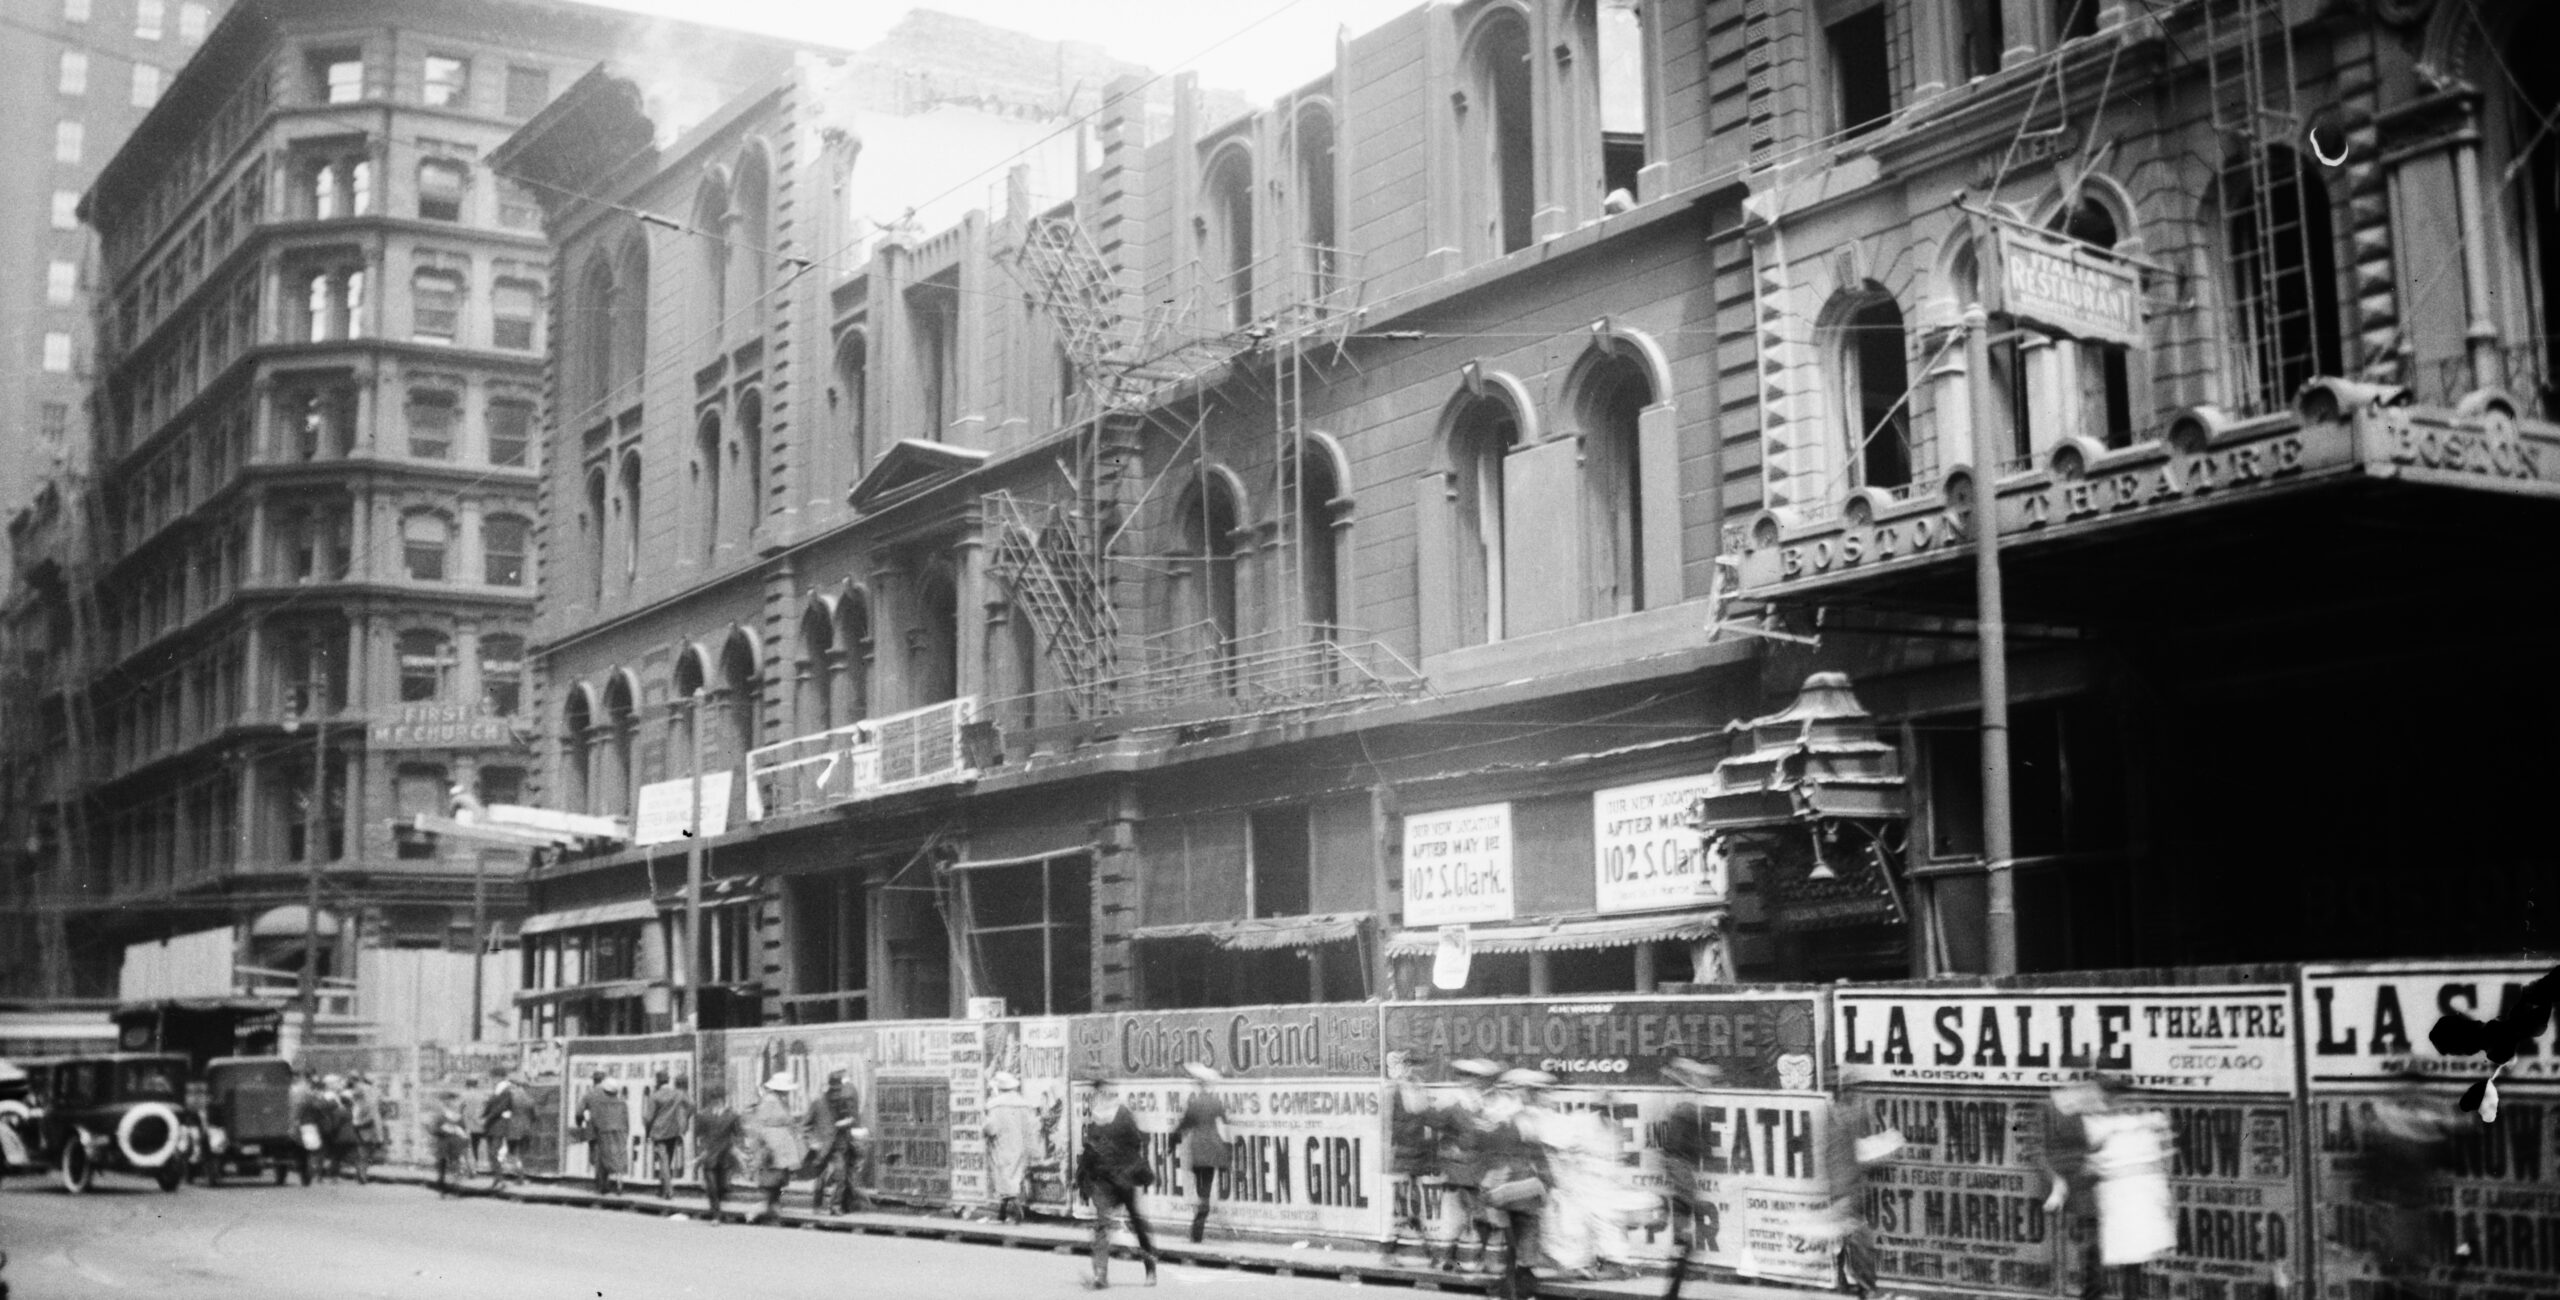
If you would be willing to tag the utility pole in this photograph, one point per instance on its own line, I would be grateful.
(315, 822)
(1992, 633)
(691, 965)
(479, 939)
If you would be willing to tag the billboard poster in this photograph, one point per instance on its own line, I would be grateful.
(1768, 1041)
(634, 1063)
(1645, 852)
(1034, 1052)
(1307, 1156)
(1457, 865)
(902, 1069)
(1293, 1042)
(442, 1068)
(2489, 1218)
(2232, 1039)
(968, 1114)
(1961, 1205)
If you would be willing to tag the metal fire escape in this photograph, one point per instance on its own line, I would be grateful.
(2272, 327)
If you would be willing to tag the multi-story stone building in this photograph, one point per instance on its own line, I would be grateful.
(1400, 510)
(319, 379)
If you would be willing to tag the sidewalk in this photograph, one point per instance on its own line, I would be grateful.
(1317, 1259)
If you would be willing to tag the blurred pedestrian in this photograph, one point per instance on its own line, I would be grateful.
(447, 1137)
(607, 1119)
(1012, 1128)
(364, 1116)
(1593, 1201)
(2109, 1162)
(1517, 1179)
(1851, 1152)
(507, 1117)
(2398, 1169)
(834, 1153)
(1201, 1138)
(474, 1100)
(1111, 1172)
(773, 1137)
(337, 1127)
(718, 1135)
(665, 1118)
(1685, 1149)
(1462, 1126)
(1412, 1155)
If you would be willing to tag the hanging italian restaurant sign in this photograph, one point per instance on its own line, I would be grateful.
(2497, 1193)
(1457, 865)
(1646, 850)
(2061, 284)
(1966, 1075)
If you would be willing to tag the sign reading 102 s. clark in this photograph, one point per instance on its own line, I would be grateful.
(2065, 286)
(1457, 865)
(1645, 851)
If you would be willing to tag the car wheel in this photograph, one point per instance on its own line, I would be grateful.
(172, 1175)
(76, 1171)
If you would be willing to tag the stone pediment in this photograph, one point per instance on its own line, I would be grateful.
(908, 469)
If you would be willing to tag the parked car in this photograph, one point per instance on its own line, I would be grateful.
(249, 1124)
(125, 1113)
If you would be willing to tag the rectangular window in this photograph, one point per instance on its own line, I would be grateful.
(528, 89)
(448, 80)
(1980, 36)
(75, 11)
(1030, 928)
(62, 283)
(193, 20)
(148, 17)
(441, 183)
(517, 208)
(511, 308)
(435, 302)
(66, 209)
(501, 784)
(55, 424)
(74, 78)
(146, 85)
(1279, 856)
(68, 137)
(57, 353)
(1861, 70)
(433, 415)
(2066, 774)
(337, 75)
(422, 789)
(511, 433)
(503, 540)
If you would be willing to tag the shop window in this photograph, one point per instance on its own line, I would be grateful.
(423, 791)
(424, 537)
(435, 305)
(433, 415)
(1858, 64)
(1874, 399)
(510, 422)
(1279, 861)
(1497, 150)
(528, 89)
(512, 305)
(447, 81)
(442, 184)
(504, 542)
(1029, 933)
(336, 74)
(502, 676)
(2283, 276)
(1226, 233)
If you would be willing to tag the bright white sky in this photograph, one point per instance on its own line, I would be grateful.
(1263, 48)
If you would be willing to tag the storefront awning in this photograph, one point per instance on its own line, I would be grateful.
(632, 909)
(610, 989)
(1263, 933)
(1563, 935)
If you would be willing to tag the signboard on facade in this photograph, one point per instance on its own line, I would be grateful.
(2055, 282)
(1457, 865)
(2368, 1023)
(666, 808)
(438, 726)
(1646, 853)
(2236, 1039)
(1307, 1157)
(1768, 1042)
(1295, 1042)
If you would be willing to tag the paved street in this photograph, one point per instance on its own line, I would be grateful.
(126, 1238)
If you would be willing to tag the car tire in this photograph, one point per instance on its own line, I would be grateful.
(75, 1169)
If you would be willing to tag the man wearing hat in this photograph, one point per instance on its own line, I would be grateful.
(508, 1120)
(1461, 1127)
(829, 1126)
(666, 1116)
(606, 1119)
(1413, 1154)
(1012, 1129)
(1201, 1137)
(774, 1134)
(1110, 1171)
(1516, 1179)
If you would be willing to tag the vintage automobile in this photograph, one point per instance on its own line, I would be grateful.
(121, 1113)
(249, 1122)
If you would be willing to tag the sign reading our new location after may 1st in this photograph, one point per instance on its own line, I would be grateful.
(1457, 865)
(1646, 853)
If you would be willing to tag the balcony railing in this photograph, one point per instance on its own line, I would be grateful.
(871, 758)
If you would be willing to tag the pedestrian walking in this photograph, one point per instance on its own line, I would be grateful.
(1850, 1155)
(1201, 1138)
(718, 1139)
(364, 1117)
(1592, 1203)
(606, 1119)
(773, 1139)
(448, 1137)
(337, 1127)
(507, 1118)
(1685, 1149)
(1111, 1171)
(2109, 1163)
(474, 1099)
(1462, 1126)
(1012, 1128)
(2402, 1157)
(1412, 1155)
(665, 1118)
(1517, 1180)
(829, 1129)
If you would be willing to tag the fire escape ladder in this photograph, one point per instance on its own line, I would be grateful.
(1040, 553)
(2271, 322)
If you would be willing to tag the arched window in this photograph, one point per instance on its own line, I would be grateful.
(426, 666)
(751, 482)
(594, 523)
(577, 725)
(2006, 432)
(1609, 401)
(630, 321)
(1022, 638)
(1874, 385)
(593, 321)
(2100, 403)
(854, 637)
(502, 673)
(1319, 254)
(1309, 492)
(934, 643)
(505, 541)
(622, 726)
(1496, 141)
(711, 245)
(1486, 431)
(1227, 232)
(706, 483)
(631, 517)
(2283, 276)
(742, 679)
(1208, 569)
(684, 711)
(815, 710)
(751, 224)
(850, 395)
(425, 537)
